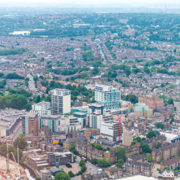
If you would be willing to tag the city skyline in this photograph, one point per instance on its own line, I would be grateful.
(91, 4)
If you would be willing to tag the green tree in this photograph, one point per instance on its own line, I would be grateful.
(5, 52)
(20, 91)
(147, 70)
(27, 82)
(11, 149)
(170, 101)
(172, 119)
(121, 154)
(97, 146)
(37, 98)
(2, 84)
(62, 176)
(145, 148)
(159, 125)
(1, 75)
(135, 70)
(103, 163)
(95, 71)
(158, 145)
(13, 76)
(20, 142)
(18, 102)
(82, 163)
(148, 156)
(15, 101)
(136, 140)
(73, 150)
(120, 163)
(94, 161)
(71, 174)
(132, 98)
(152, 134)
(83, 169)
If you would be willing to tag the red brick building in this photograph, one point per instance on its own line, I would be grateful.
(153, 101)
(31, 124)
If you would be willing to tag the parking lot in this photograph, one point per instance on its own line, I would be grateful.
(75, 168)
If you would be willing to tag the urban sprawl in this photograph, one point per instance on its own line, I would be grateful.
(91, 96)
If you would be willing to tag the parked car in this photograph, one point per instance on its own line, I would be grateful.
(68, 165)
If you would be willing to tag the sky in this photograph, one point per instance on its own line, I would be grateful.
(98, 3)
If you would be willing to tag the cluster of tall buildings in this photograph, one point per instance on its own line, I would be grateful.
(58, 116)
(60, 104)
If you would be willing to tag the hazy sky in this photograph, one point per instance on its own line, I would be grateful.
(86, 2)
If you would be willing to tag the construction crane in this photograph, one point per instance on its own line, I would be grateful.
(120, 127)
(120, 124)
(7, 157)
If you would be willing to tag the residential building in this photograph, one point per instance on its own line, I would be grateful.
(171, 163)
(177, 106)
(142, 110)
(110, 130)
(152, 101)
(82, 118)
(114, 172)
(60, 157)
(74, 124)
(42, 108)
(134, 168)
(96, 176)
(31, 124)
(90, 152)
(107, 96)
(60, 101)
(167, 151)
(96, 108)
(127, 137)
(52, 122)
(95, 121)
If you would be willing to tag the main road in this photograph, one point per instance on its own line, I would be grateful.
(31, 83)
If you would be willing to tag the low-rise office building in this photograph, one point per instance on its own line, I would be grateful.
(61, 158)
(51, 121)
(110, 130)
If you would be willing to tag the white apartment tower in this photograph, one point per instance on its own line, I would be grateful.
(107, 96)
(42, 108)
(60, 101)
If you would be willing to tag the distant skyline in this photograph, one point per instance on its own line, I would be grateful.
(91, 3)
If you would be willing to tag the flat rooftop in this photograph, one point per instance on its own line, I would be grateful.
(106, 88)
(138, 177)
(9, 116)
(60, 92)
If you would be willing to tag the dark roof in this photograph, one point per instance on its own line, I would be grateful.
(75, 139)
(171, 161)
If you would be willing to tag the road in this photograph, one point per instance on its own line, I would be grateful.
(31, 83)
(101, 51)
(91, 168)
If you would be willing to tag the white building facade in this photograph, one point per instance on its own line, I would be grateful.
(107, 96)
(60, 101)
(42, 108)
(110, 130)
